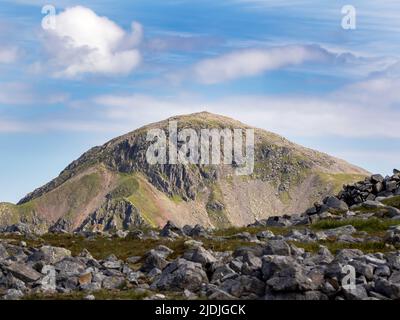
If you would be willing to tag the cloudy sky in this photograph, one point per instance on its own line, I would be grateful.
(107, 67)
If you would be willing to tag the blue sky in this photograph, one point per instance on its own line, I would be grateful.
(107, 67)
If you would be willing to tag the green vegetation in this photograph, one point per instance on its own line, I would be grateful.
(103, 294)
(228, 232)
(102, 247)
(393, 202)
(337, 180)
(334, 246)
(176, 198)
(368, 225)
(216, 208)
(127, 186)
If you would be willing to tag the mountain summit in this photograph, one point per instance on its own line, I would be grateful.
(114, 187)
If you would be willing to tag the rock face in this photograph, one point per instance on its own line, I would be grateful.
(114, 187)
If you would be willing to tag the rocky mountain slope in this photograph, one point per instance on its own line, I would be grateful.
(113, 186)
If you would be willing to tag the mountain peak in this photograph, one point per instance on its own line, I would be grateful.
(115, 183)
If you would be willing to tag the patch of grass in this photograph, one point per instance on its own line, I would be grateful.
(337, 180)
(126, 187)
(176, 199)
(227, 232)
(393, 202)
(99, 295)
(334, 246)
(142, 199)
(368, 225)
(216, 208)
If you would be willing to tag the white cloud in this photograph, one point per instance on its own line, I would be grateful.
(84, 42)
(8, 54)
(245, 63)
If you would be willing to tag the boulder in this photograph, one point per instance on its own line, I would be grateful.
(243, 286)
(181, 274)
(200, 255)
(344, 230)
(154, 259)
(50, 255)
(277, 247)
(23, 272)
(335, 203)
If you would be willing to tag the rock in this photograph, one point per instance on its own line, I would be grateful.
(266, 234)
(357, 293)
(393, 260)
(200, 255)
(387, 288)
(375, 178)
(113, 282)
(382, 271)
(69, 267)
(345, 255)
(392, 236)
(272, 264)
(153, 259)
(335, 203)
(13, 294)
(196, 231)
(90, 297)
(277, 221)
(170, 230)
(390, 186)
(163, 251)
(192, 244)
(218, 294)
(121, 234)
(289, 279)
(362, 268)
(112, 264)
(48, 282)
(23, 272)
(3, 252)
(226, 271)
(50, 255)
(133, 259)
(277, 247)
(85, 278)
(345, 230)
(181, 274)
(243, 286)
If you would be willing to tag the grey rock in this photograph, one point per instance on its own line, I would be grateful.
(335, 203)
(345, 230)
(181, 274)
(50, 255)
(113, 282)
(387, 288)
(69, 267)
(153, 259)
(23, 272)
(48, 282)
(3, 252)
(277, 247)
(243, 286)
(13, 294)
(357, 293)
(200, 255)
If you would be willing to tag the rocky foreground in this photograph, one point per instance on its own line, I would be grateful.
(305, 256)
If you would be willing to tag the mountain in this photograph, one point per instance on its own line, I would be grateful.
(113, 186)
